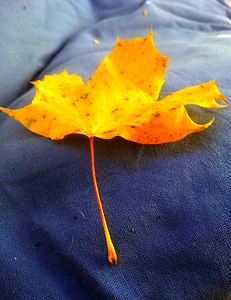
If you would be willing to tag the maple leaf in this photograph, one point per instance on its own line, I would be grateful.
(119, 99)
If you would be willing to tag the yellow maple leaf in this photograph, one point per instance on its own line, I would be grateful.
(119, 99)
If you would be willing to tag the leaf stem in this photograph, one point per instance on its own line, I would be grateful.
(112, 256)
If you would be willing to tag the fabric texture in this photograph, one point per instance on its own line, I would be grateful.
(168, 206)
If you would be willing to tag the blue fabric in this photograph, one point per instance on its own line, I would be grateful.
(168, 206)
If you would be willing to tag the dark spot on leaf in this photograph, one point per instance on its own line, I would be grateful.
(133, 126)
(109, 131)
(156, 115)
(30, 122)
(114, 110)
(119, 44)
(87, 115)
(84, 96)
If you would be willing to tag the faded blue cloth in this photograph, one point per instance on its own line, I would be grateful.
(168, 206)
